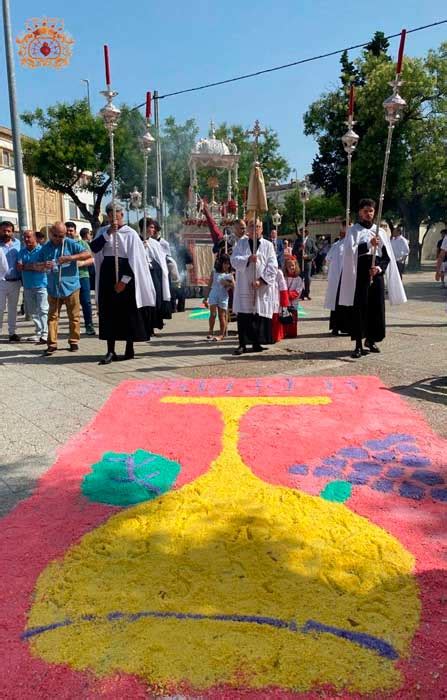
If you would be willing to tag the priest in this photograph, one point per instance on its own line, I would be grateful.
(256, 267)
(362, 287)
(125, 307)
(338, 321)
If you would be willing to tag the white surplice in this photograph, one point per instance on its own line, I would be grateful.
(355, 235)
(335, 260)
(131, 247)
(246, 299)
(279, 286)
(154, 251)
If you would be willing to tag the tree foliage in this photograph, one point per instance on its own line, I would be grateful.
(74, 142)
(319, 208)
(417, 177)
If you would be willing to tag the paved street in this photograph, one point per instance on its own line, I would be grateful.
(46, 400)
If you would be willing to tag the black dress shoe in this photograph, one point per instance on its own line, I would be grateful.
(240, 350)
(14, 338)
(358, 352)
(258, 348)
(128, 356)
(334, 332)
(372, 347)
(73, 347)
(107, 359)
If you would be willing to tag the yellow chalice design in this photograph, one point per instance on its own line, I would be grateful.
(232, 580)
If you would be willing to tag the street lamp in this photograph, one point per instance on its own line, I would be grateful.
(304, 196)
(87, 84)
(276, 219)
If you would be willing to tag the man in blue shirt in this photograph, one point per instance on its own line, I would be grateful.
(34, 287)
(59, 258)
(10, 281)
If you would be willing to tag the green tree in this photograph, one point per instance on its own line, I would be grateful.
(378, 46)
(417, 177)
(319, 208)
(74, 142)
(349, 73)
(274, 165)
(177, 142)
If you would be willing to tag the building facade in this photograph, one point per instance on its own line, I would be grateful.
(44, 206)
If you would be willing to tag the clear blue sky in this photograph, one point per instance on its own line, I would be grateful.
(175, 44)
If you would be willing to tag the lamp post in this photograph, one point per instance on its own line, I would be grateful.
(304, 196)
(87, 84)
(15, 124)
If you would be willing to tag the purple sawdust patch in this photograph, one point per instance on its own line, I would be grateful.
(298, 469)
(409, 490)
(334, 462)
(388, 441)
(370, 468)
(383, 485)
(360, 479)
(395, 473)
(354, 452)
(416, 461)
(386, 456)
(327, 471)
(439, 495)
(404, 448)
(429, 478)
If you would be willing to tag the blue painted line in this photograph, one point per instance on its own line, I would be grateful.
(381, 647)
(368, 641)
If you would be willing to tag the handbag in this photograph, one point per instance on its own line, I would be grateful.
(285, 317)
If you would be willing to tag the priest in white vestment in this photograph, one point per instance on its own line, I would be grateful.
(256, 267)
(362, 285)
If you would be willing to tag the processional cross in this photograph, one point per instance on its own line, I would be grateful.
(256, 132)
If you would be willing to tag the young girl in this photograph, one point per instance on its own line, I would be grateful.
(295, 286)
(221, 281)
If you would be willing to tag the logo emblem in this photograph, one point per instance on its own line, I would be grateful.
(44, 43)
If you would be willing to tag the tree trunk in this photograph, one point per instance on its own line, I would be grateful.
(414, 262)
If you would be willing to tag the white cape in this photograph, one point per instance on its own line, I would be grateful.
(335, 260)
(246, 299)
(131, 247)
(154, 251)
(396, 292)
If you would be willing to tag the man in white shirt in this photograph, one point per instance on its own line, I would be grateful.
(400, 248)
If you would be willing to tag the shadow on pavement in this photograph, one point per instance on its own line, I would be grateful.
(433, 389)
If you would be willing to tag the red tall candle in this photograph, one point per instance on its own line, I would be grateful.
(351, 101)
(400, 56)
(107, 63)
(148, 105)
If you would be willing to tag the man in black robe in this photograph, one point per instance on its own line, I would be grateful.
(367, 314)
